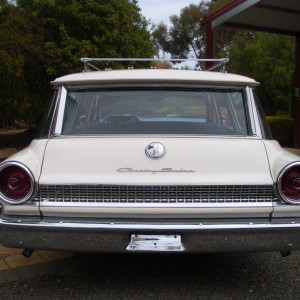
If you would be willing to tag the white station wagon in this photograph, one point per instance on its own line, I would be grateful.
(152, 160)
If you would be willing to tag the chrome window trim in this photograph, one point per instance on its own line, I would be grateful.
(151, 135)
(262, 123)
(61, 110)
(249, 104)
(65, 89)
(254, 121)
(55, 112)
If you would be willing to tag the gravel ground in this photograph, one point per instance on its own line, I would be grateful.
(132, 276)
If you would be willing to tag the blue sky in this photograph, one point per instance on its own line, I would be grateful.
(161, 10)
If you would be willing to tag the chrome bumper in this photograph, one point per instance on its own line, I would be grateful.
(114, 236)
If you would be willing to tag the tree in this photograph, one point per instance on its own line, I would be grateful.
(269, 58)
(14, 34)
(50, 36)
(185, 36)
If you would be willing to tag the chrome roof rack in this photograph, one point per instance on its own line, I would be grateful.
(217, 62)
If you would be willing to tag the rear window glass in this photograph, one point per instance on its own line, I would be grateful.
(148, 111)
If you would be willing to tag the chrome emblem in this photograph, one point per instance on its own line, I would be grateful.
(155, 150)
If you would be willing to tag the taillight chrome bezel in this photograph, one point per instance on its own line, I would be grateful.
(31, 191)
(281, 175)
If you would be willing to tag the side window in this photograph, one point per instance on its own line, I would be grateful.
(231, 110)
(70, 108)
(46, 123)
(239, 109)
(266, 132)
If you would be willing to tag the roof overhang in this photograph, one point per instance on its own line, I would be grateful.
(275, 16)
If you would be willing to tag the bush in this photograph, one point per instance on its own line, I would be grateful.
(282, 128)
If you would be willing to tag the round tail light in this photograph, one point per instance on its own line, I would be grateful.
(16, 183)
(289, 183)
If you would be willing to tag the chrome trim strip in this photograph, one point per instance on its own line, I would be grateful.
(51, 131)
(254, 122)
(169, 136)
(214, 205)
(180, 225)
(61, 110)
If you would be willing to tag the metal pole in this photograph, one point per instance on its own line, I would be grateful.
(209, 44)
(296, 104)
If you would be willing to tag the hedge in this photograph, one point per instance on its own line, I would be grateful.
(282, 129)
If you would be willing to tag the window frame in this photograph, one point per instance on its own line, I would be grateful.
(248, 102)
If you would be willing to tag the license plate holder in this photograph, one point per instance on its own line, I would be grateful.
(157, 243)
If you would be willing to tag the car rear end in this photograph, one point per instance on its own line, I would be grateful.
(150, 160)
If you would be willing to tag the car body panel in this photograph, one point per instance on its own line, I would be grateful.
(32, 156)
(84, 160)
(155, 76)
(129, 165)
(278, 157)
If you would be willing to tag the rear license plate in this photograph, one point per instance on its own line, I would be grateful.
(159, 243)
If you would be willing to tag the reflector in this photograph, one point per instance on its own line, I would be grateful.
(296, 183)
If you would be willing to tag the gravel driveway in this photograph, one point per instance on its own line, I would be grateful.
(121, 276)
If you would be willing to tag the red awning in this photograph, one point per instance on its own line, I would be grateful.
(276, 16)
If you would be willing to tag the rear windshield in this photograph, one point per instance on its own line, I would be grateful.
(149, 111)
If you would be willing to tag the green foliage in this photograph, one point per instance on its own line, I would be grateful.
(43, 39)
(216, 4)
(282, 129)
(269, 58)
(13, 36)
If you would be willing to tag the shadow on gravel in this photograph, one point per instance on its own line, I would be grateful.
(142, 276)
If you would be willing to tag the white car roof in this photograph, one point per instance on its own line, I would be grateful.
(155, 76)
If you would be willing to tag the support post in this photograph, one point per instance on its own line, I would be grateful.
(296, 104)
(209, 44)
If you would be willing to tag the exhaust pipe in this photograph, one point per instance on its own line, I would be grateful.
(27, 253)
(285, 253)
